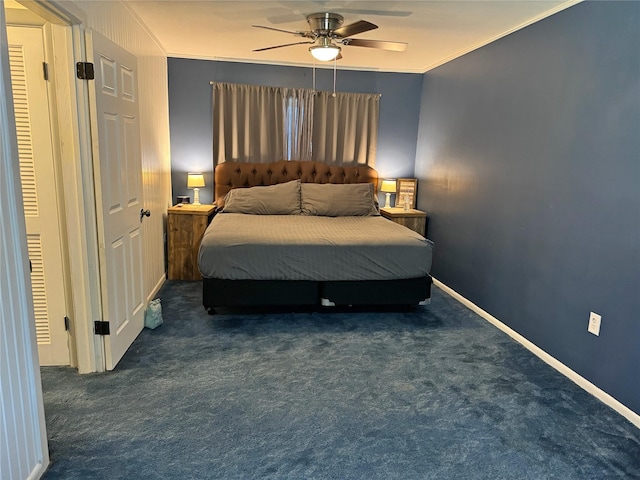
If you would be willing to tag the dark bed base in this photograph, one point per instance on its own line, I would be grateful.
(251, 293)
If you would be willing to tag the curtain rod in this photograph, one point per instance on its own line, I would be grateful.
(211, 82)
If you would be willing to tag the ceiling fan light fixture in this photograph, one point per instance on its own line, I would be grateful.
(325, 53)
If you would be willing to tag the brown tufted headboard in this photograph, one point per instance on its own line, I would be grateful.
(231, 175)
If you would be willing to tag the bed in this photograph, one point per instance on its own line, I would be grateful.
(307, 234)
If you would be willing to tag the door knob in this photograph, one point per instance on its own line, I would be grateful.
(144, 213)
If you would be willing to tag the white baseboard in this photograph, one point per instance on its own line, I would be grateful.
(544, 356)
(156, 289)
(38, 472)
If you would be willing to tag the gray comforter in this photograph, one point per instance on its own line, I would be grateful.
(297, 247)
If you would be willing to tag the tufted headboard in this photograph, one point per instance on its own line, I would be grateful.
(231, 175)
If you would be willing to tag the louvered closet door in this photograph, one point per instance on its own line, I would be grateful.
(26, 54)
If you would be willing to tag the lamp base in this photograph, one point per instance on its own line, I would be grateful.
(387, 201)
(196, 197)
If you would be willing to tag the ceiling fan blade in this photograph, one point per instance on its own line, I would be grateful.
(292, 32)
(280, 46)
(360, 26)
(381, 44)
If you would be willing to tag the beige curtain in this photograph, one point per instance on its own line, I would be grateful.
(345, 128)
(248, 123)
(253, 123)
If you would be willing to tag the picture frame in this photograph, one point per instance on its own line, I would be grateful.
(406, 187)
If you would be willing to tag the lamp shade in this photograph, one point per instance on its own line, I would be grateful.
(388, 186)
(195, 180)
(325, 53)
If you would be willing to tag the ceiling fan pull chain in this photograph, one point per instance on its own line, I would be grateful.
(314, 76)
(335, 64)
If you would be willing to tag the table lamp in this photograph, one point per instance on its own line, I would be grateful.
(195, 181)
(389, 187)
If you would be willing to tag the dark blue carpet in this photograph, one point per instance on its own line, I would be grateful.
(433, 394)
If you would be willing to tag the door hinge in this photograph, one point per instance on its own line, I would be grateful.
(67, 323)
(101, 328)
(84, 71)
(45, 69)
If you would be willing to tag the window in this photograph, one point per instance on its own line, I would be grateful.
(264, 124)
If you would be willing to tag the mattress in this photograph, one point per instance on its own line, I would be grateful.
(317, 248)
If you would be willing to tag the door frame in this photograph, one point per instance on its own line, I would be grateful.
(72, 107)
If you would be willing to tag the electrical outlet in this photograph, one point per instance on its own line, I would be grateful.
(594, 323)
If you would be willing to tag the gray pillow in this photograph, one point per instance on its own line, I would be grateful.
(338, 200)
(281, 199)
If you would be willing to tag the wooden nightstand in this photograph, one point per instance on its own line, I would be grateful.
(185, 227)
(414, 219)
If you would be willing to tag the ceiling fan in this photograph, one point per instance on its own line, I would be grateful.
(327, 33)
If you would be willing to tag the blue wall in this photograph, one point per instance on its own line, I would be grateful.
(529, 163)
(190, 114)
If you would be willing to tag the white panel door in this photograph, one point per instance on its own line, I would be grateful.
(117, 166)
(37, 173)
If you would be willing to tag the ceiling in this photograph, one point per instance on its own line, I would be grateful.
(436, 31)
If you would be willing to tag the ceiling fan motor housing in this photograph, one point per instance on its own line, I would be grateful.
(324, 23)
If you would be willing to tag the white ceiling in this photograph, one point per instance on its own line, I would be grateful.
(436, 31)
